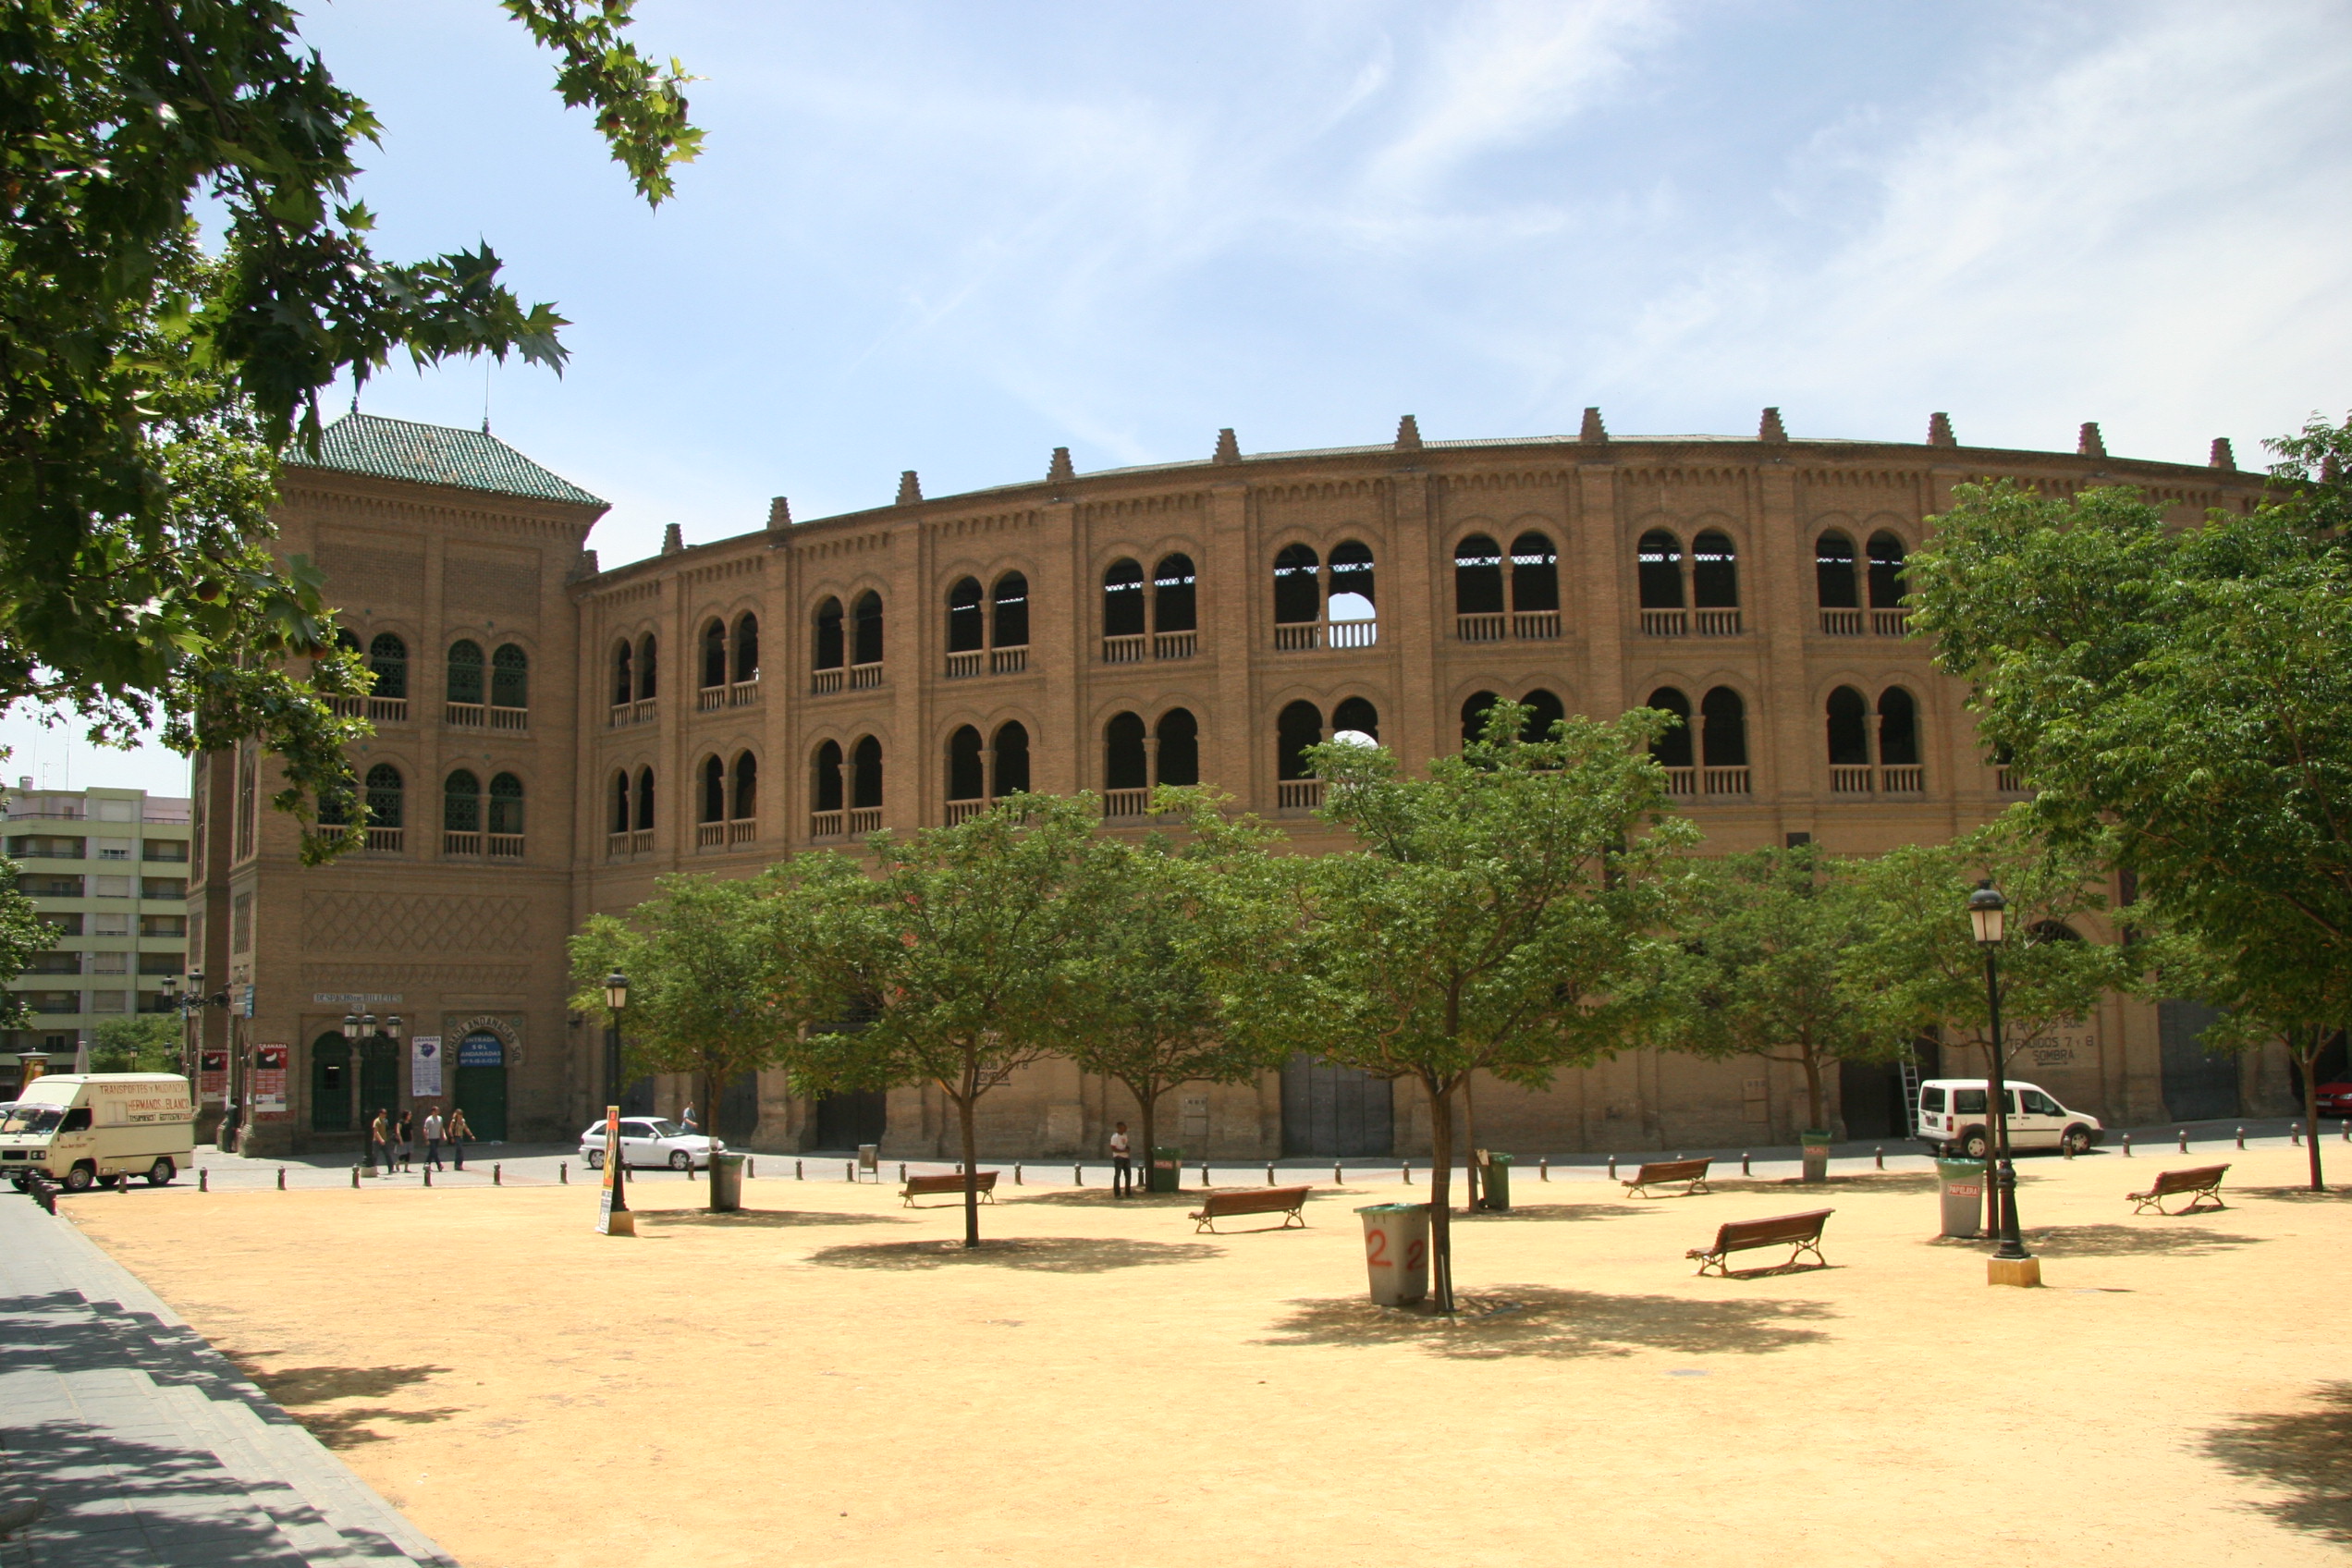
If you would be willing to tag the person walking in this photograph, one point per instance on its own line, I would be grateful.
(459, 1135)
(403, 1136)
(433, 1137)
(380, 1142)
(1122, 1167)
(686, 1117)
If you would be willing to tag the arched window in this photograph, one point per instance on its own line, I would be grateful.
(746, 647)
(1012, 603)
(1474, 708)
(1477, 576)
(714, 652)
(1179, 736)
(1534, 574)
(1898, 728)
(865, 628)
(714, 801)
(1833, 572)
(1123, 599)
(461, 803)
(646, 667)
(1356, 715)
(1013, 759)
(347, 640)
(506, 806)
(1661, 556)
(1125, 765)
(967, 780)
(1299, 727)
(1724, 728)
(865, 775)
(1714, 571)
(1544, 710)
(832, 651)
(388, 662)
(824, 777)
(745, 783)
(624, 680)
(509, 677)
(465, 671)
(619, 801)
(1352, 596)
(1175, 593)
(1674, 748)
(333, 810)
(644, 800)
(1296, 596)
(385, 792)
(1886, 572)
(967, 622)
(1849, 716)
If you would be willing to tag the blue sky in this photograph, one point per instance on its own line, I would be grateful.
(951, 238)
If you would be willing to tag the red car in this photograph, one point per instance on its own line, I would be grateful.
(2336, 1100)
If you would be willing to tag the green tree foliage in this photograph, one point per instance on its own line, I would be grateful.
(146, 388)
(1499, 918)
(718, 982)
(1766, 940)
(147, 1042)
(962, 951)
(2185, 694)
(22, 934)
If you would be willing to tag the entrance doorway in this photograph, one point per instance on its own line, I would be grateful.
(331, 1082)
(738, 1116)
(1335, 1110)
(2197, 1087)
(843, 1121)
(379, 1077)
(481, 1085)
(1871, 1094)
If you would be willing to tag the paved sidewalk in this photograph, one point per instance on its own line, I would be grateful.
(148, 1449)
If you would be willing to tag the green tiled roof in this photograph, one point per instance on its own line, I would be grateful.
(435, 454)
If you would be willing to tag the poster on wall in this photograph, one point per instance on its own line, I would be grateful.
(212, 1076)
(269, 1082)
(482, 1049)
(424, 1067)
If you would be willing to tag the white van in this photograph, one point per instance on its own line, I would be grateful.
(76, 1128)
(1953, 1119)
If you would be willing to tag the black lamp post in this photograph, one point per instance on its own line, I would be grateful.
(171, 1004)
(1987, 914)
(617, 1002)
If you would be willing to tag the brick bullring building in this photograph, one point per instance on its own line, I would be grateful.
(551, 737)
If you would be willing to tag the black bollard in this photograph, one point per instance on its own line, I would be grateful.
(281, 1178)
(563, 1173)
(2127, 1145)
(1543, 1169)
(1881, 1154)
(428, 1175)
(355, 1177)
(1744, 1170)
(204, 1179)
(498, 1174)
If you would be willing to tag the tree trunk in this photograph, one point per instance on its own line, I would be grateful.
(1147, 1115)
(1440, 1194)
(1471, 1186)
(1814, 1104)
(710, 1104)
(2311, 1104)
(964, 1105)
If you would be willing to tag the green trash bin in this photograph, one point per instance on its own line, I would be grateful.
(729, 1196)
(1494, 1180)
(1167, 1169)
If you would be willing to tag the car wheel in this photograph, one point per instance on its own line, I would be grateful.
(2076, 1140)
(595, 1159)
(160, 1173)
(1976, 1143)
(81, 1178)
(680, 1160)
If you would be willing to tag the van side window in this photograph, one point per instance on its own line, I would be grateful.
(1931, 1100)
(2040, 1104)
(1968, 1102)
(76, 1120)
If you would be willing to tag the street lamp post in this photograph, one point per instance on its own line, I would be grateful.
(1987, 915)
(171, 1004)
(616, 1002)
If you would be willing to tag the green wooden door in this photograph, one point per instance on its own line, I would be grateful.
(331, 1084)
(379, 1078)
(481, 1085)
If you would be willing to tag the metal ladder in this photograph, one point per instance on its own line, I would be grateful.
(1910, 1094)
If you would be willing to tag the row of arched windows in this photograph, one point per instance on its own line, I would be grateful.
(469, 809)
(503, 679)
(730, 657)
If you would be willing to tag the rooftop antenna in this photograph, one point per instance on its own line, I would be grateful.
(487, 363)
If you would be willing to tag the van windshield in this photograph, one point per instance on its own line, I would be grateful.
(33, 1119)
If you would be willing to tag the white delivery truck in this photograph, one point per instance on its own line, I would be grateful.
(76, 1128)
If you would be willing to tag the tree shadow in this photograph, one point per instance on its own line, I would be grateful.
(2294, 1194)
(1556, 1212)
(757, 1218)
(1542, 1320)
(296, 1386)
(347, 1428)
(1100, 1197)
(2136, 1240)
(1864, 1182)
(2305, 1453)
(1047, 1254)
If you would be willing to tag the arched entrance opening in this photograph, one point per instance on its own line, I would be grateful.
(1335, 1111)
(331, 1082)
(480, 1086)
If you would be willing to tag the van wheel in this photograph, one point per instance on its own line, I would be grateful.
(160, 1173)
(595, 1159)
(81, 1178)
(2076, 1140)
(1976, 1143)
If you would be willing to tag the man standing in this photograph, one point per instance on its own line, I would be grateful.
(1122, 1167)
(459, 1133)
(380, 1142)
(432, 1136)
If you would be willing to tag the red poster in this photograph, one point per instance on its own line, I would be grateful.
(211, 1077)
(269, 1084)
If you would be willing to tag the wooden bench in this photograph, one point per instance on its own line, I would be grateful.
(1285, 1201)
(949, 1185)
(1693, 1172)
(1800, 1234)
(2202, 1182)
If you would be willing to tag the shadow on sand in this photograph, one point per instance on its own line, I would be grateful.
(2294, 1194)
(1544, 1322)
(756, 1219)
(2305, 1453)
(300, 1390)
(1867, 1182)
(1046, 1255)
(1100, 1197)
(1554, 1211)
(2136, 1240)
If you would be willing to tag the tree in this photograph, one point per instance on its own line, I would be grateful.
(1141, 1005)
(22, 934)
(146, 386)
(1917, 969)
(1498, 918)
(961, 950)
(1761, 971)
(718, 981)
(2184, 695)
(147, 1042)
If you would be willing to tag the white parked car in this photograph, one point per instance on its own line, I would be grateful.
(1953, 1119)
(649, 1140)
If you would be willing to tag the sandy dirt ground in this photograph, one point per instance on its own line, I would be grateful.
(831, 1380)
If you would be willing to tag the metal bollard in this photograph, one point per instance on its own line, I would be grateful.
(1016, 1174)
(428, 1175)
(355, 1178)
(1269, 1175)
(2295, 1134)
(2066, 1150)
(563, 1173)
(1204, 1175)
(1881, 1154)
(204, 1180)
(800, 1170)
(751, 1168)
(2344, 1128)
(1078, 1177)
(1406, 1170)
(498, 1174)
(1744, 1170)
(1543, 1169)
(1612, 1168)
(281, 1178)
(849, 1170)
(903, 1173)
(2127, 1145)
(2241, 1137)
(2184, 1140)
(1337, 1179)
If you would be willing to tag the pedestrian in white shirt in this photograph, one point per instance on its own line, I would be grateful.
(433, 1137)
(1122, 1167)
